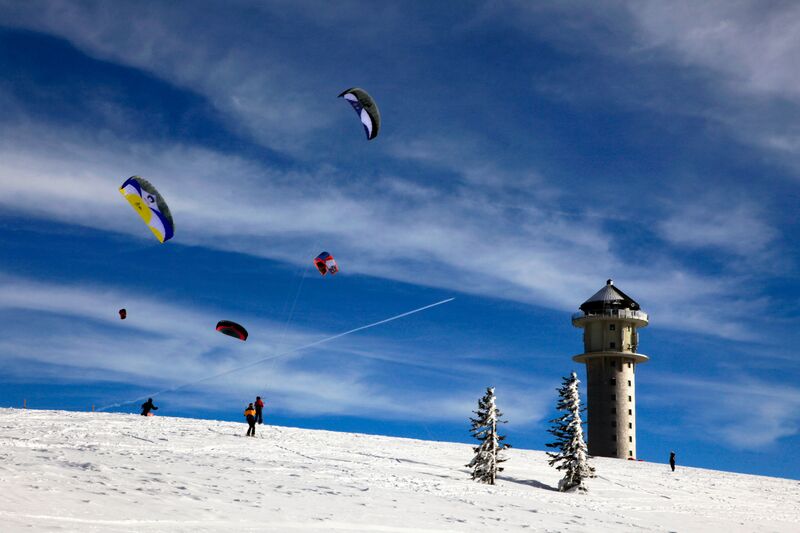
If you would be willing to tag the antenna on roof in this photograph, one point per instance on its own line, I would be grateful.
(609, 282)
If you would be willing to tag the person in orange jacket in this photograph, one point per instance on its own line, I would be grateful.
(250, 414)
(259, 409)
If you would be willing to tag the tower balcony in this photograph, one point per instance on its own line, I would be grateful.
(633, 357)
(639, 318)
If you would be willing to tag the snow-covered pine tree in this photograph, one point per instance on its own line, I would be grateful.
(487, 458)
(568, 431)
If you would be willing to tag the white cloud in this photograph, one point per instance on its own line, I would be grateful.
(745, 413)
(728, 64)
(735, 227)
(457, 239)
(243, 61)
(499, 231)
(260, 80)
(755, 45)
(752, 49)
(77, 337)
(461, 240)
(751, 45)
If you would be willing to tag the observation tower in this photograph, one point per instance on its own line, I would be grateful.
(610, 319)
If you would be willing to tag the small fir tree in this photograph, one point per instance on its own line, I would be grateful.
(572, 455)
(487, 458)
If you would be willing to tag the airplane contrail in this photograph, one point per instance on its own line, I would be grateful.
(275, 356)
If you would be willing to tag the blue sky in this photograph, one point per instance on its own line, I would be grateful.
(528, 152)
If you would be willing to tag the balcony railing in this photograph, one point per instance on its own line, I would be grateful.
(614, 313)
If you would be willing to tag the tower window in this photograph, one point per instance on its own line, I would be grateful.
(612, 344)
(612, 381)
(614, 438)
(629, 365)
(630, 439)
(630, 425)
(630, 398)
(613, 410)
(630, 453)
(614, 397)
(612, 327)
(613, 423)
(613, 364)
(629, 383)
(630, 411)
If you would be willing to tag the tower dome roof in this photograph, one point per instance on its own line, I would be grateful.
(609, 297)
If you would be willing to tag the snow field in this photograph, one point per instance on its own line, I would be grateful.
(67, 471)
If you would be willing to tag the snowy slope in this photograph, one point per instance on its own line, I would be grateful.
(62, 471)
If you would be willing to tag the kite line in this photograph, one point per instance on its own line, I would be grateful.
(282, 354)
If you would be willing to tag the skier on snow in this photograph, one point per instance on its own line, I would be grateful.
(259, 409)
(147, 407)
(250, 414)
(672, 460)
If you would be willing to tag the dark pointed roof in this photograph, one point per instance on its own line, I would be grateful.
(609, 297)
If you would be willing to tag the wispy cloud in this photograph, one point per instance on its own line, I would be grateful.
(248, 65)
(750, 47)
(726, 65)
(752, 44)
(460, 240)
(737, 228)
(743, 412)
(78, 338)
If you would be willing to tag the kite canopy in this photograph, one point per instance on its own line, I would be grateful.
(232, 329)
(326, 264)
(150, 205)
(366, 108)
(122, 314)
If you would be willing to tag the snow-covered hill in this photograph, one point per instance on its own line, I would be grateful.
(62, 471)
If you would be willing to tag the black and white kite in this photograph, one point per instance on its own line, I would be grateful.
(366, 108)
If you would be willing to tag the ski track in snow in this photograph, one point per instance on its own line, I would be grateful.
(91, 472)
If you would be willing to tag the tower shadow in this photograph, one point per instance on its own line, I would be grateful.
(528, 482)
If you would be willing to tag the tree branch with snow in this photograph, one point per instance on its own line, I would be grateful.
(572, 455)
(485, 463)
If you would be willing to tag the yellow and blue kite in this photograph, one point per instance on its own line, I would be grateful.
(150, 205)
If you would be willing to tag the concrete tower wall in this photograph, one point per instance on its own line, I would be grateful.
(615, 335)
(611, 395)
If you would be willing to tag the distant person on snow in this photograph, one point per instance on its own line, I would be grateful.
(250, 414)
(259, 409)
(147, 407)
(672, 460)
